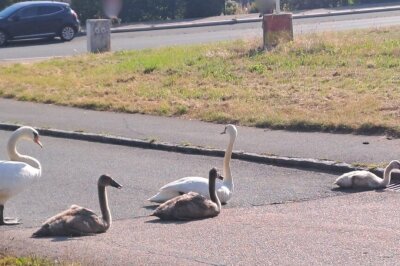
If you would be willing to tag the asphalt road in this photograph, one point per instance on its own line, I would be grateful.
(357, 229)
(71, 169)
(160, 38)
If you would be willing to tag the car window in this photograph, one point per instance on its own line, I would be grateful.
(9, 10)
(28, 12)
(47, 10)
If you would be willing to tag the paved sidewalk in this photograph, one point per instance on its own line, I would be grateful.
(336, 147)
(356, 229)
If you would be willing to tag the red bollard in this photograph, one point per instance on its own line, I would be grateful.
(277, 28)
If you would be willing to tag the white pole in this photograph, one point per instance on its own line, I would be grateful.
(278, 6)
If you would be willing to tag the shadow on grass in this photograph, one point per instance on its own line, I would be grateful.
(368, 129)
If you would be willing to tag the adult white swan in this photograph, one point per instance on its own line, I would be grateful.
(365, 179)
(19, 172)
(79, 221)
(192, 205)
(200, 184)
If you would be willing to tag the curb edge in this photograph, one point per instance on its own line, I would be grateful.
(283, 161)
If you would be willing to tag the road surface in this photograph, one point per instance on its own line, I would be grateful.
(71, 169)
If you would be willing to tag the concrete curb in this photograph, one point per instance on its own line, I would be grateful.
(301, 163)
(249, 20)
(348, 12)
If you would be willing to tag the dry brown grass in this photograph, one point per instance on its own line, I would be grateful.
(332, 81)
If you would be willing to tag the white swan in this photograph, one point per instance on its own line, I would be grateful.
(192, 205)
(365, 179)
(79, 221)
(19, 172)
(200, 184)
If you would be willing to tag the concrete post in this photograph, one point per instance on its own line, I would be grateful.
(277, 28)
(98, 33)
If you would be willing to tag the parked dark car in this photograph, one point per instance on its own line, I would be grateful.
(38, 19)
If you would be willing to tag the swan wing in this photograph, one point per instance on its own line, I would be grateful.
(193, 183)
(346, 180)
(187, 184)
(13, 173)
(198, 185)
(84, 223)
(195, 207)
(15, 176)
(179, 187)
(74, 221)
(187, 207)
(74, 210)
(358, 179)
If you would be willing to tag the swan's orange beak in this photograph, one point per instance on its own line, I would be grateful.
(37, 141)
(223, 132)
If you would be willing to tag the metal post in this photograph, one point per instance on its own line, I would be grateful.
(278, 6)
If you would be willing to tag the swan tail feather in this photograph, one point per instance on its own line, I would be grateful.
(344, 181)
(163, 196)
(42, 232)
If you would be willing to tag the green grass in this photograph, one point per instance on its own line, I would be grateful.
(346, 81)
(28, 261)
(9, 260)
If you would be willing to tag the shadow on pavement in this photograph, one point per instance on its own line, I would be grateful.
(151, 207)
(61, 238)
(353, 190)
(34, 42)
(66, 238)
(159, 221)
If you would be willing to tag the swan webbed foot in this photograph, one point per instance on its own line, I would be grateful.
(10, 221)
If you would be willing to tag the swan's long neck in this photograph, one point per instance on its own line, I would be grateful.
(226, 171)
(213, 193)
(105, 211)
(15, 156)
(387, 173)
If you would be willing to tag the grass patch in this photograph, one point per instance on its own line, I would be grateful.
(30, 261)
(318, 82)
(12, 261)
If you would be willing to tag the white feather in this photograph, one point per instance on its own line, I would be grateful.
(191, 184)
(19, 173)
(365, 179)
(199, 184)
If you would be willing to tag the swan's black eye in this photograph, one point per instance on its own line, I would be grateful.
(35, 135)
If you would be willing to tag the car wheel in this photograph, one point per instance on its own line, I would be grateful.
(3, 38)
(67, 33)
